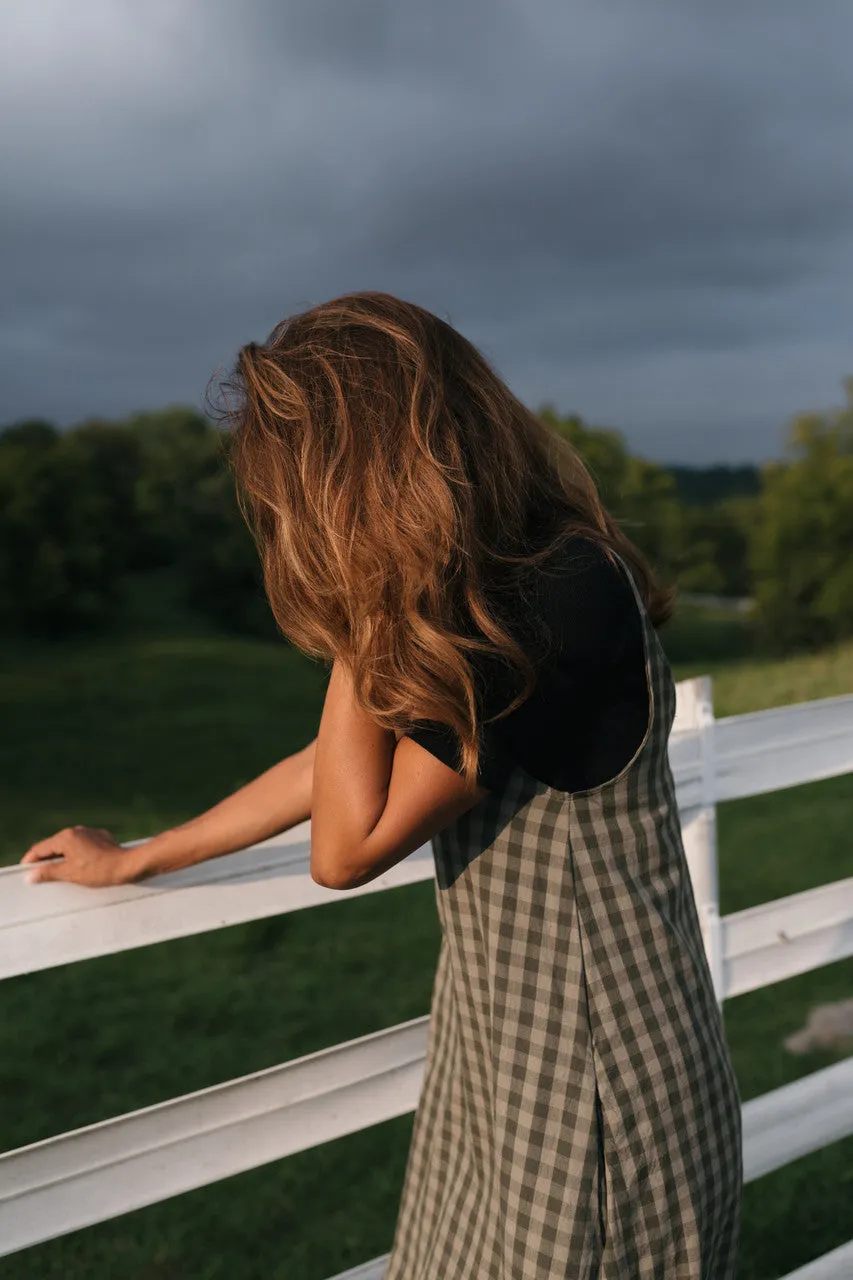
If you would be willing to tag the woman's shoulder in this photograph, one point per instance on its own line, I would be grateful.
(586, 599)
(580, 552)
(582, 567)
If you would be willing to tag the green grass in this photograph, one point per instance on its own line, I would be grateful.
(160, 721)
(755, 684)
(713, 642)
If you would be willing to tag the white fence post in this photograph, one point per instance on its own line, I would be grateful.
(699, 827)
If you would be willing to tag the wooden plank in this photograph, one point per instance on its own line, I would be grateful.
(45, 925)
(50, 924)
(89, 1175)
(778, 940)
(796, 1119)
(837, 1265)
(373, 1270)
(92, 1174)
(784, 747)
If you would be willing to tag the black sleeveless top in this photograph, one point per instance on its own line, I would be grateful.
(589, 711)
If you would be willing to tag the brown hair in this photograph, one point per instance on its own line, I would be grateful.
(397, 491)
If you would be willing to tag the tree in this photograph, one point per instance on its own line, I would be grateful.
(57, 574)
(801, 549)
(112, 459)
(640, 494)
(179, 450)
(714, 548)
(220, 562)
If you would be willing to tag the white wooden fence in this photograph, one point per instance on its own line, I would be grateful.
(98, 1172)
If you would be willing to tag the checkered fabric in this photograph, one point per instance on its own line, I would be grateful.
(580, 1115)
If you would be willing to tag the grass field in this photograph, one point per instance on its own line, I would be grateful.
(159, 721)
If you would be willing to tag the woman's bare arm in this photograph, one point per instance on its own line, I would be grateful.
(375, 799)
(275, 801)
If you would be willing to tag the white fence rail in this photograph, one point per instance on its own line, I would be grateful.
(92, 1174)
(89, 1175)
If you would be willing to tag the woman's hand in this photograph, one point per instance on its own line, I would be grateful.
(91, 856)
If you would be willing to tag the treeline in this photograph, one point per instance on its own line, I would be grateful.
(706, 485)
(83, 509)
(788, 543)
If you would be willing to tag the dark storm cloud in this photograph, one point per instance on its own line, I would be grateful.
(641, 213)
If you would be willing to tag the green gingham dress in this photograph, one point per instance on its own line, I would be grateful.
(579, 1116)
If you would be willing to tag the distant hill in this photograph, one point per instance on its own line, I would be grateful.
(702, 486)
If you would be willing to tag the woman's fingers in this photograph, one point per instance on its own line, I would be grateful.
(48, 871)
(88, 855)
(46, 848)
(60, 843)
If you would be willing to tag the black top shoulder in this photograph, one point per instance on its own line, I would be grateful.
(589, 711)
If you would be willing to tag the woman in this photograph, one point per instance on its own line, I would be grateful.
(433, 541)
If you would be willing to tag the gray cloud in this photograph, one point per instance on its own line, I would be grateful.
(641, 213)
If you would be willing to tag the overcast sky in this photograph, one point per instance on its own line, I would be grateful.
(640, 212)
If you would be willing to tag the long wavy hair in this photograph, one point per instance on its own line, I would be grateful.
(399, 496)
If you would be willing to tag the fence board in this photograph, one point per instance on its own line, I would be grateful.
(57, 924)
(52, 1187)
(796, 1119)
(837, 1265)
(92, 1174)
(785, 747)
(50, 924)
(89, 1175)
(373, 1270)
(792, 935)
